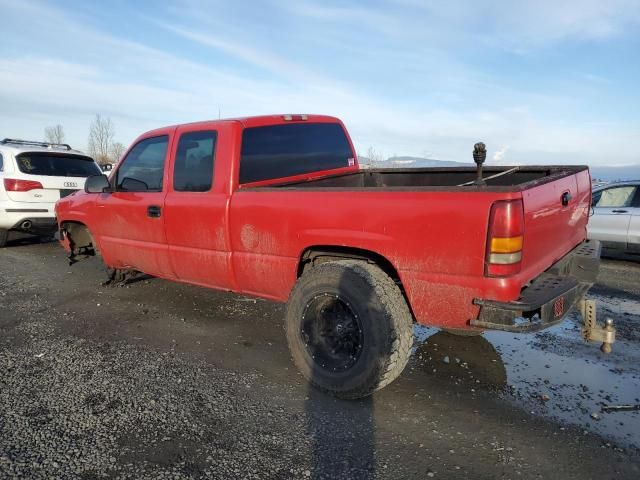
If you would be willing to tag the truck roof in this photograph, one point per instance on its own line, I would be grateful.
(255, 121)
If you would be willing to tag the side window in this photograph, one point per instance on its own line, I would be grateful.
(1, 164)
(193, 170)
(143, 168)
(279, 151)
(614, 197)
(636, 201)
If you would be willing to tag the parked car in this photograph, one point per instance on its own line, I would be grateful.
(277, 207)
(33, 177)
(616, 216)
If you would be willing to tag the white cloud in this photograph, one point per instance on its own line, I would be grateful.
(498, 156)
(143, 86)
(521, 25)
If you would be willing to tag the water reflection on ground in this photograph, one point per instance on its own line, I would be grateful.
(552, 373)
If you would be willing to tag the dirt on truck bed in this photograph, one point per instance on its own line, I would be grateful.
(160, 380)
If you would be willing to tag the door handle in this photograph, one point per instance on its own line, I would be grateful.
(154, 211)
(619, 211)
(565, 198)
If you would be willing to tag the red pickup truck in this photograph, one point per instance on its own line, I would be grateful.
(277, 207)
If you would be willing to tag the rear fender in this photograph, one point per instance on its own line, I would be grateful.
(318, 254)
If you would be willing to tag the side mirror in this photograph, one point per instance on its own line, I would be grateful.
(97, 184)
(133, 185)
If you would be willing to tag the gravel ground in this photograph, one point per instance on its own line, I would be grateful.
(77, 408)
(160, 380)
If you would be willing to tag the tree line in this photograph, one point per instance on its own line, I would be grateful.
(101, 145)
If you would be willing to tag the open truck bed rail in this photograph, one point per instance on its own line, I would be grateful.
(438, 179)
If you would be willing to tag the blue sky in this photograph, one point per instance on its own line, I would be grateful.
(539, 82)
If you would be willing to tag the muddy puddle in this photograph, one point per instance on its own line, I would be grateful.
(552, 373)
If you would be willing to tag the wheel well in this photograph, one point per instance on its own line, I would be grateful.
(316, 255)
(320, 254)
(79, 235)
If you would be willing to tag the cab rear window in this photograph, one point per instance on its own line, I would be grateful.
(279, 151)
(56, 165)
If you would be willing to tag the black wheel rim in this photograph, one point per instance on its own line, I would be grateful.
(331, 332)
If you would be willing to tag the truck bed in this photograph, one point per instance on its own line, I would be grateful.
(449, 178)
(432, 230)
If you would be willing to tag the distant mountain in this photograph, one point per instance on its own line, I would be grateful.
(410, 162)
(612, 174)
(418, 162)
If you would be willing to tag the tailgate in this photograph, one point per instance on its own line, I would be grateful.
(53, 189)
(556, 215)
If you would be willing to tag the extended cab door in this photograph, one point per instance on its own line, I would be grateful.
(131, 223)
(612, 215)
(196, 204)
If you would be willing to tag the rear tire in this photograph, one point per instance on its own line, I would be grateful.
(4, 234)
(349, 328)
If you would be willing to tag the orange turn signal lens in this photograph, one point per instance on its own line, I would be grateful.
(506, 244)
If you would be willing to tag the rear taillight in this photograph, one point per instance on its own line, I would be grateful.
(17, 185)
(504, 242)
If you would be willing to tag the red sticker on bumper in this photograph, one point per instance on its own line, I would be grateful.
(558, 307)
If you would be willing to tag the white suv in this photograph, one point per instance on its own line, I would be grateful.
(33, 177)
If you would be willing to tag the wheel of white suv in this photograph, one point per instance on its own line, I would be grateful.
(3, 237)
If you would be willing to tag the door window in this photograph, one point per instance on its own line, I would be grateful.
(614, 197)
(142, 170)
(193, 170)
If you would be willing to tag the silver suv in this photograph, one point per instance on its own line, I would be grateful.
(616, 216)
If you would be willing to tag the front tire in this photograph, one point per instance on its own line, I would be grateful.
(4, 234)
(349, 328)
